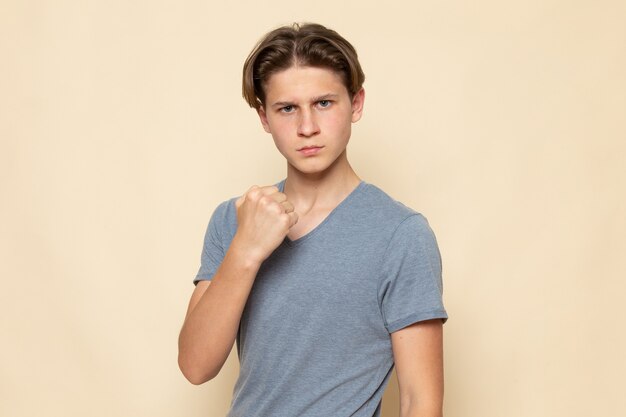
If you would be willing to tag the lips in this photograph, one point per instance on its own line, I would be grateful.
(310, 150)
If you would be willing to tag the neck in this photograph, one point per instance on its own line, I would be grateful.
(321, 189)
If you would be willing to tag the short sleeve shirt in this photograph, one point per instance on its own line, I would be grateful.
(314, 337)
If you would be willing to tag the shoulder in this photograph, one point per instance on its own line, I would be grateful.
(400, 226)
(390, 210)
(415, 229)
(223, 222)
(227, 209)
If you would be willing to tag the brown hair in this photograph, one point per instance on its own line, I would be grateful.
(307, 44)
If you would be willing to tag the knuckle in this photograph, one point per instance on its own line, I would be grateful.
(254, 193)
(277, 209)
(285, 220)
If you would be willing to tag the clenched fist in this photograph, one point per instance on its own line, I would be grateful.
(264, 217)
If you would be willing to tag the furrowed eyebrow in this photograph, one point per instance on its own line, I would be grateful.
(325, 97)
(282, 104)
(314, 100)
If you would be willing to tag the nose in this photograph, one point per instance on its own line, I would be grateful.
(307, 124)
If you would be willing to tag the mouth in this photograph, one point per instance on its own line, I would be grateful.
(310, 147)
(310, 150)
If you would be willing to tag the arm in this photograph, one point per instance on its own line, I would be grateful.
(264, 216)
(418, 355)
(213, 316)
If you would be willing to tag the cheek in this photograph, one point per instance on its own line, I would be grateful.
(279, 140)
(341, 125)
(281, 132)
(277, 127)
(280, 123)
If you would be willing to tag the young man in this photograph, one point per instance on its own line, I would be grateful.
(324, 280)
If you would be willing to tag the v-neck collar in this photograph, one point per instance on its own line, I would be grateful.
(291, 243)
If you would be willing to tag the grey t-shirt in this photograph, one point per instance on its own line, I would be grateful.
(314, 337)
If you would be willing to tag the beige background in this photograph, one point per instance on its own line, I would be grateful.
(122, 127)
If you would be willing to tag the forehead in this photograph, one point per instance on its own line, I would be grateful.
(303, 82)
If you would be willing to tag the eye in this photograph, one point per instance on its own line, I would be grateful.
(287, 109)
(324, 103)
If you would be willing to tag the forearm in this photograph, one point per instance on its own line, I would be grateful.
(431, 405)
(210, 329)
(416, 411)
(421, 413)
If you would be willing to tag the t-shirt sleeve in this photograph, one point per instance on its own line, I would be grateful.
(213, 247)
(411, 287)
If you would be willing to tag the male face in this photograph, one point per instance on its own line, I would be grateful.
(310, 107)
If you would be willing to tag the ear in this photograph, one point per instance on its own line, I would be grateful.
(263, 116)
(357, 105)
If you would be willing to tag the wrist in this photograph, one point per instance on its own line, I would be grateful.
(244, 254)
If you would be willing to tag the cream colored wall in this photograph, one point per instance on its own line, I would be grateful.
(122, 127)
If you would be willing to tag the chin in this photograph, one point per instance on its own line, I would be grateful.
(310, 171)
(310, 168)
